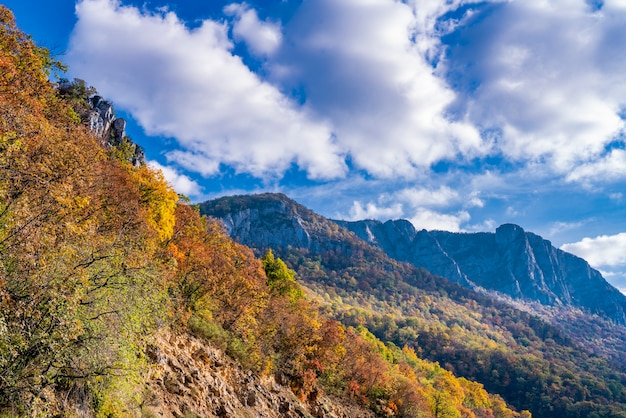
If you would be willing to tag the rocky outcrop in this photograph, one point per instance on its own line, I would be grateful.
(190, 378)
(272, 220)
(105, 125)
(102, 119)
(272, 225)
(511, 261)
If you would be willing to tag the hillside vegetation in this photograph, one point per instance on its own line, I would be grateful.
(99, 257)
(529, 362)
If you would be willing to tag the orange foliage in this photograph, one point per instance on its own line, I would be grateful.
(213, 273)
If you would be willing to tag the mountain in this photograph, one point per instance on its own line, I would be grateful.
(510, 261)
(510, 347)
(119, 299)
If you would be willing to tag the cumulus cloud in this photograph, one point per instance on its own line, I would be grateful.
(416, 197)
(546, 80)
(431, 220)
(427, 208)
(186, 84)
(610, 167)
(421, 218)
(363, 66)
(373, 211)
(601, 251)
(262, 37)
(180, 182)
(511, 97)
(536, 82)
(475, 201)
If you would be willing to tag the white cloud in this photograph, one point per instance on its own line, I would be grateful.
(181, 183)
(427, 219)
(421, 218)
(362, 65)
(543, 82)
(547, 77)
(488, 225)
(186, 83)
(513, 212)
(262, 37)
(373, 211)
(610, 167)
(475, 202)
(560, 227)
(601, 251)
(428, 26)
(421, 197)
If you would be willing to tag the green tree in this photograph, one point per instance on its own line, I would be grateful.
(280, 279)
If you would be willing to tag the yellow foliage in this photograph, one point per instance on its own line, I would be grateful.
(157, 197)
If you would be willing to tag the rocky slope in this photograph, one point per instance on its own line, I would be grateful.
(191, 379)
(510, 261)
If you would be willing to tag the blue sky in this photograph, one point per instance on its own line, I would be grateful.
(455, 114)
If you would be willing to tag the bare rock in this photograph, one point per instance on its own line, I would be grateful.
(200, 380)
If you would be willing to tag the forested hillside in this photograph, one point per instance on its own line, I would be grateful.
(118, 299)
(510, 261)
(531, 363)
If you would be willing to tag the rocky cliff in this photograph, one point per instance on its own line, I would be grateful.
(510, 261)
(274, 221)
(105, 125)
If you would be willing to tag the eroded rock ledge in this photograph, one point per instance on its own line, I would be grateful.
(191, 378)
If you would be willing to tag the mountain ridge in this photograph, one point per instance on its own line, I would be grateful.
(511, 261)
(534, 269)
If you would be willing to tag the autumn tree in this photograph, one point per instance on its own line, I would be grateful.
(209, 267)
(77, 235)
(77, 93)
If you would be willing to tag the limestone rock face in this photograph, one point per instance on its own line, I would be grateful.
(400, 240)
(273, 221)
(118, 131)
(101, 116)
(272, 224)
(112, 130)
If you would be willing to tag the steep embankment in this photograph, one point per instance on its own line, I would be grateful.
(190, 378)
